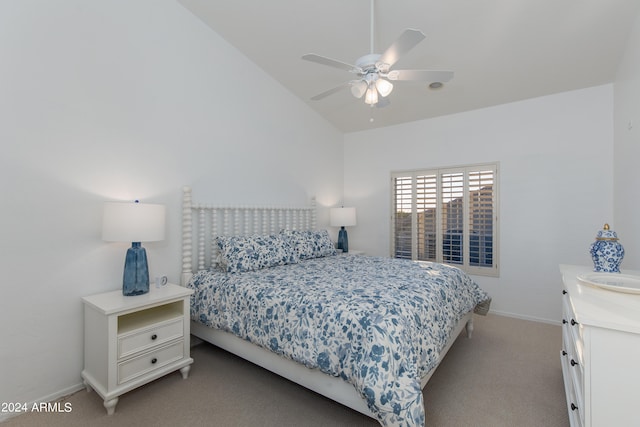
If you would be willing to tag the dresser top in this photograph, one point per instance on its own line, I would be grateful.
(600, 307)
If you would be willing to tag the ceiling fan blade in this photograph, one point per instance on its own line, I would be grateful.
(331, 91)
(420, 75)
(330, 62)
(407, 41)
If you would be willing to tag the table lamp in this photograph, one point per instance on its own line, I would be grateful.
(134, 222)
(342, 217)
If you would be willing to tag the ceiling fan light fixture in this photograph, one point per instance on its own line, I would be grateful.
(358, 88)
(371, 97)
(384, 87)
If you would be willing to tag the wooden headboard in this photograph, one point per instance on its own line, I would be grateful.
(209, 222)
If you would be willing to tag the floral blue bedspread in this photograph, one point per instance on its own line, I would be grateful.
(378, 323)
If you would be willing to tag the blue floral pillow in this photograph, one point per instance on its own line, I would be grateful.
(310, 244)
(248, 253)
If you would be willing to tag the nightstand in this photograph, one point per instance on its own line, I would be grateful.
(132, 340)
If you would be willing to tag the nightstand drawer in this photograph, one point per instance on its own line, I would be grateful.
(150, 361)
(144, 339)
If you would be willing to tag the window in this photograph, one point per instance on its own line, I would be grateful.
(447, 215)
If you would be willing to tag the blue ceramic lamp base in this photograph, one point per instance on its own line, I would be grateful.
(343, 240)
(136, 271)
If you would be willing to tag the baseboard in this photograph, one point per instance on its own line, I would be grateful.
(49, 398)
(522, 317)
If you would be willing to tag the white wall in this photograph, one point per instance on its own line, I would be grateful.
(627, 150)
(116, 100)
(555, 160)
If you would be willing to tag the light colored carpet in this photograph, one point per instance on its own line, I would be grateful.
(508, 374)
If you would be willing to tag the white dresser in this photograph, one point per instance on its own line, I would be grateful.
(132, 340)
(600, 352)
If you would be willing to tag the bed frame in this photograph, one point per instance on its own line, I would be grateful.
(209, 221)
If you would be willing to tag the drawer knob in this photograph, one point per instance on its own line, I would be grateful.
(564, 292)
(154, 337)
(564, 321)
(564, 353)
(154, 361)
(573, 362)
(573, 407)
(573, 322)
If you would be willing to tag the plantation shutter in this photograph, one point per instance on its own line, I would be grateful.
(403, 205)
(426, 203)
(447, 215)
(481, 208)
(452, 217)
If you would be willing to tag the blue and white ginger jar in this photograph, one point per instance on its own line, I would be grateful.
(606, 251)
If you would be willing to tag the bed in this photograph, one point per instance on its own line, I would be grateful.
(367, 332)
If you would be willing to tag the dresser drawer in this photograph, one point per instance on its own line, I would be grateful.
(573, 369)
(147, 338)
(574, 403)
(573, 330)
(150, 361)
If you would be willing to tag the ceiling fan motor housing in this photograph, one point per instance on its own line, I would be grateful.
(369, 63)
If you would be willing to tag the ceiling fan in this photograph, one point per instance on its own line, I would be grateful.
(374, 73)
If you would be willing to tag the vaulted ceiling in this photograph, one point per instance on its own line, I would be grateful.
(500, 50)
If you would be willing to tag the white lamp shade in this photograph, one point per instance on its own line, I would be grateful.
(358, 88)
(371, 97)
(342, 217)
(384, 87)
(133, 222)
